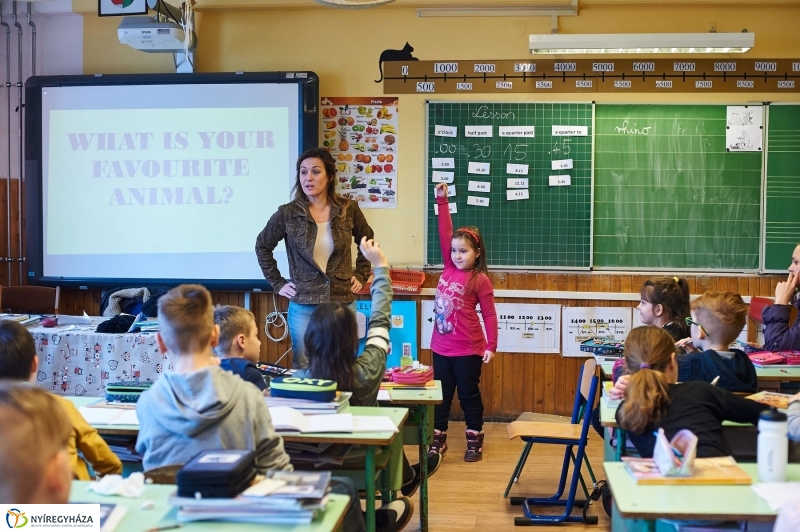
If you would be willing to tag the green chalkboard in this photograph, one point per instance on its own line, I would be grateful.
(782, 226)
(550, 229)
(667, 193)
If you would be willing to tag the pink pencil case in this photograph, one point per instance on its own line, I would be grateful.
(411, 375)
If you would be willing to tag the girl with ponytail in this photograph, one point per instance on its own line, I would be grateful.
(653, 400)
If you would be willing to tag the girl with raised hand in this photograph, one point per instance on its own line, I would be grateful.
(458, 344)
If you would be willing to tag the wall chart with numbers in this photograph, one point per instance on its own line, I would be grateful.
(584, 323)
(522, 328)
(521, 173)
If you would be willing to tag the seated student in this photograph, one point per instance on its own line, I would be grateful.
(199, 406)
(239, 346)
(717, 319)
(778, 336)
(653, 400)
(34, 454)
(18, 361)
(331, 342)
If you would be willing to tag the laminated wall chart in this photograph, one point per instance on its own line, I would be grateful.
(522, 328)
(584, 323)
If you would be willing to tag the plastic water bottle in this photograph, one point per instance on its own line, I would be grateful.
(773, 446)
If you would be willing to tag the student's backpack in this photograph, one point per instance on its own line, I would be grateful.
(602, 491)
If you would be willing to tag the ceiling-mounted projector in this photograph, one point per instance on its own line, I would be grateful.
(149, 35)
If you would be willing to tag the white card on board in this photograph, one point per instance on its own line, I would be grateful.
(480, 186)
(517, 169)
(451, 191)
(517, 182)
(443, 162)
(517, 194)
(570, 131)
(478, 131)
(452, 207)
(560, 181)
(477, 201)
(562, 164)
(442, 177)
(515, 131)
(445, 131)
(478, 168)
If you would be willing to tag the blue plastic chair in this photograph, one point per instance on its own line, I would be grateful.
(573, 435)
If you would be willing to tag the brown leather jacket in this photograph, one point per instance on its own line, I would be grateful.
(293, 224)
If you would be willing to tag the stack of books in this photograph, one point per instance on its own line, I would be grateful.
(124, 447)
(22, 319)
(283, 497)
(319, 455)
(774, 399)
(309, 407)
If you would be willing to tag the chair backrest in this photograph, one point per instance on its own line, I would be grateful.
(30, 299)
(583, 393)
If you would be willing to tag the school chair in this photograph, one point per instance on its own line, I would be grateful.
(163, 475)
(30, 299)
(574, 434)
(589, 369)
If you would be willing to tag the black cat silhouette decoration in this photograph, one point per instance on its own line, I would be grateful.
(395, 55)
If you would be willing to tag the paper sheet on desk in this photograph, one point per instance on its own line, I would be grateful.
(109, 416)
(777, 494)
(66, 319)
(383, 395)
(373, 424)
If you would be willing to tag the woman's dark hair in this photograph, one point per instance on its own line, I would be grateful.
(672, 293)
(472, 235)
(330, 170)
(648, 353)
(331, 341)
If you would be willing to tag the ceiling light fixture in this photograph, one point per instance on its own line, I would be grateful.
(353, 4)
(642, 43)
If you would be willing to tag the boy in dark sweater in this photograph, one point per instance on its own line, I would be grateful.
(239, 346)
(716, 320)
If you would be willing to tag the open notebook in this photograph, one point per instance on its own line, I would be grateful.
(109, 416)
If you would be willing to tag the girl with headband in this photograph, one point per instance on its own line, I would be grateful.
(458, 344)
(653, 400)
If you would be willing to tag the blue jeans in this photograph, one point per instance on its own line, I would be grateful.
(299, 318)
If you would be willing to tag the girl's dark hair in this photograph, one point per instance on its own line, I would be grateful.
(672, 293)
(330, 169)
(648, 353)
(331, 342)
(472, 235)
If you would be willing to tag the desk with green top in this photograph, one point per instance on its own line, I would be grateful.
(771, 373)
(421, 402)
(697, 502)
(371, 440)
(741, 436)
(162, 515)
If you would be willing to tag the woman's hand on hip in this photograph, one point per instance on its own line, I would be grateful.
(355, 286)
(288, 291)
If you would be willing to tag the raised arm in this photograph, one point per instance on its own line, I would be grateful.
(445, 224)
(370, 366)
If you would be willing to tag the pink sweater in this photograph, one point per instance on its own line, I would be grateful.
(457, 330)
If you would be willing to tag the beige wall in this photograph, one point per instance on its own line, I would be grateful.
(342, 47)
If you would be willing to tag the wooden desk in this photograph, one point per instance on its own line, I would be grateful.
(137, 520)
(371, 440)
(726, 503)
(422, 401)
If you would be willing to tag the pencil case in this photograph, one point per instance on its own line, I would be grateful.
(412, 375)
(298, 388)
(125, 392)
(217, 474)
(603, 346)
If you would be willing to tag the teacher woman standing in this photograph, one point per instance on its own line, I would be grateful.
(318, 228)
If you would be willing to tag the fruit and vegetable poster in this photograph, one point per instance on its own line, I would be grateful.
(361, 134)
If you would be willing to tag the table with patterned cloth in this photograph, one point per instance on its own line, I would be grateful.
(76, 360)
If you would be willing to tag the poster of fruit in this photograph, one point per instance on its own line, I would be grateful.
(361, 134)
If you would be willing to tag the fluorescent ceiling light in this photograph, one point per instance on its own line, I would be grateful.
(642, 43)
(535, 11)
